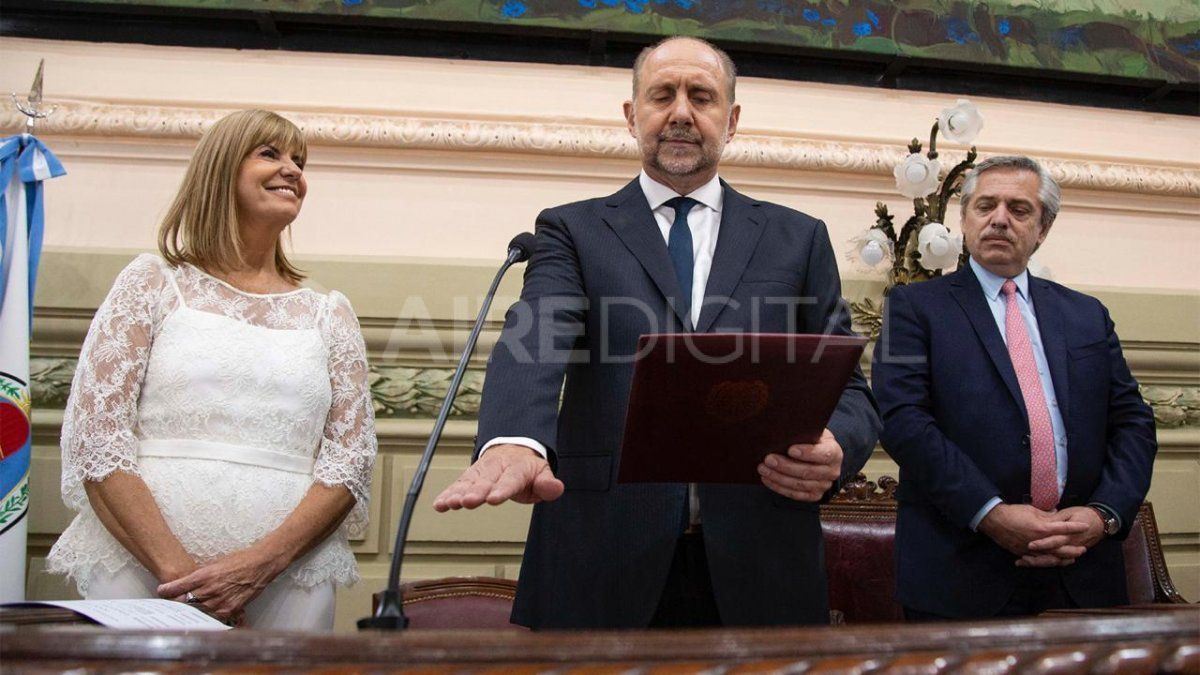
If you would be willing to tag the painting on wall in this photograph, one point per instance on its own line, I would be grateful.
(1146, 39)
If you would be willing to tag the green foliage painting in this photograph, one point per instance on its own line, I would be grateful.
(1152, 39)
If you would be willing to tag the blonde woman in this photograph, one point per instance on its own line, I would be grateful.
(219, 437)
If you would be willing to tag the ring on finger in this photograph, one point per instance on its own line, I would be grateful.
(191, 598)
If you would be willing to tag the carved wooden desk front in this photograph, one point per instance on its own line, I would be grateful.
(1132, 642)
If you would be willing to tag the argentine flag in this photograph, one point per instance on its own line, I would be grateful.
(24, 164)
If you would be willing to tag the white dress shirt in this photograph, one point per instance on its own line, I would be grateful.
(704, 220)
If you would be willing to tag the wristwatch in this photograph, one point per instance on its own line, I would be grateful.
(1111, 524)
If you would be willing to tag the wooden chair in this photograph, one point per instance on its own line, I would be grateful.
(460, 602)
(860, 532)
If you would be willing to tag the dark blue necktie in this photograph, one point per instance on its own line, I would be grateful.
(679, 246)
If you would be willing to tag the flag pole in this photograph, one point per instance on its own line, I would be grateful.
(25, 163)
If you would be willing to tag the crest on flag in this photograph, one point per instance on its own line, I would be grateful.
(14, 437)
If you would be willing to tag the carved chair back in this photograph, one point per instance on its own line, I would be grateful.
(460, 602)
(860, 532)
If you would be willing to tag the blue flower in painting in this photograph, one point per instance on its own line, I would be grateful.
(611, 3)
(960, 31)
(862, 29)
(685, 4)
(589, 4)
(873, 17)
(829, 22)
(635, 6)
(810, 15)
(1070, 37)
(1004, 27)
(513, 8)
(1188, 47)
(351, 3)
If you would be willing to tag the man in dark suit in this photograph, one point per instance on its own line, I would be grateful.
(675, 250)
(1024, 446)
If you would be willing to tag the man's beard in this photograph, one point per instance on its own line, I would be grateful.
(683, 166)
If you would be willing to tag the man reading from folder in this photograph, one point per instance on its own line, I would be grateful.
(676, 250)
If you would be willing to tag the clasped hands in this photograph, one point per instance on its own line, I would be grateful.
(1043, 538)
(514, 472)
(225, 586)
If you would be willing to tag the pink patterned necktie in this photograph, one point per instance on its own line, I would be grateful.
(1043, 475)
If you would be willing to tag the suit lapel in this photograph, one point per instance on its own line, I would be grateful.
(1051, 326)
(1054, 338)
(741, 227)
(965, 289)
(630, 218)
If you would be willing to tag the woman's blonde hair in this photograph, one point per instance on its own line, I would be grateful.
(201, 228)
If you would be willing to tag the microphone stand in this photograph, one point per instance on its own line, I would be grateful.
(390, 613)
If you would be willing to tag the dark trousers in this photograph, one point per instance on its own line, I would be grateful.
(1038, 590)
(687, 599)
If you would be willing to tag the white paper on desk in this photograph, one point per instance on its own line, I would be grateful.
(141, 614)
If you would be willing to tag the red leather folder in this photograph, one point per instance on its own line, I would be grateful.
(708, 407)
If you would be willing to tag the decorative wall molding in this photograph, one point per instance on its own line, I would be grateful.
(85, 118)
(50, 381)
(398, 392)
(417, 393)
(1174, 406)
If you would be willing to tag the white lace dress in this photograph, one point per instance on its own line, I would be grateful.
(229, 405)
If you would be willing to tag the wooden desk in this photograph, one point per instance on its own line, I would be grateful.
(1133, 642)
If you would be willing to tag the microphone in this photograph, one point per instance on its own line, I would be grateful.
(390, 613)
(521, 247)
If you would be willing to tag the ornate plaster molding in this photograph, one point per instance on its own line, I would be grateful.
(416, 393)
(84, 118)
(1174, 406)
(50, 381)
(398, 392)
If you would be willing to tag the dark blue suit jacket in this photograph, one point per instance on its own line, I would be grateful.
(601, 277)
(955, 422)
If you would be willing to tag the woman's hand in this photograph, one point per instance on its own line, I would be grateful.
(226, 585)
(175, 572)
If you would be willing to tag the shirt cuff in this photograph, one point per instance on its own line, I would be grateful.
(517, 440)
(987, 508)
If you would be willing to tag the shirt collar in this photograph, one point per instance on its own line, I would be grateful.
(992, 282)
(711, 194)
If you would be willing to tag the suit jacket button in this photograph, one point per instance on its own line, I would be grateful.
(1025, 441)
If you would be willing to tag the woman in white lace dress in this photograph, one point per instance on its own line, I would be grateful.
(219, 437)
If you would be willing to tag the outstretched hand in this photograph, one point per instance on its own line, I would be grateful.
(504, 472)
